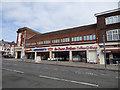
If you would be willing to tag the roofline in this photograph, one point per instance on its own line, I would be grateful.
(110, 11)
(7, 42)
(26, 28)
(68, 28)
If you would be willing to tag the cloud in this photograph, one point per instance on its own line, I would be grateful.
(49, 16)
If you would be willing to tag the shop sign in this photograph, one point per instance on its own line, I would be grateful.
(27, 50)
(42, 49)
(74, 48)
(50, 48)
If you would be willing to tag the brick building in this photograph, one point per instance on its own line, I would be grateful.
(108, 24)
(82, 43)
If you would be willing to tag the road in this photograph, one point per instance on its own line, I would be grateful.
(30, 75)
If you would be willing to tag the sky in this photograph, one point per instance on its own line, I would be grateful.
(48, 16)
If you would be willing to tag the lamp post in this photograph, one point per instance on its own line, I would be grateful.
(104, 50)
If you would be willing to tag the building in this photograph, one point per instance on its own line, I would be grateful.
(82, 43)
(7, 48)
(108, 24)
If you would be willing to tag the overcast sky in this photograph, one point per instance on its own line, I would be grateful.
(48, 16)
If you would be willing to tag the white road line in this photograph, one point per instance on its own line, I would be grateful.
(13, 70)
(90, 84)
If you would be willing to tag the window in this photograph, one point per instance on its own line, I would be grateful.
(119, 18)
(87, 37)
(94, 36)
(80, 38)
(65, 39)
(61, 40)
(113, 35)
(77, 38)
(27, 44)
(33, 43)
(107, 20)
(84, 37)
(91, 37)
(112, 19)
(119, 34)
(68, 39)
(115, 19)
(40, 42)
(56, 41)
(109, 35)
(72, 38)
(46, 41)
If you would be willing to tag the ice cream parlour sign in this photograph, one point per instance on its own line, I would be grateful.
(75, 48)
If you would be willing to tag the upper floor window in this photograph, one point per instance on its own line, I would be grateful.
(94, 36)
(56, 41)
(91, 37)
(46, 41)
(88, 38)
(77, 38)
(40, 42)
(27, 44)
(113, 35)
(65, 39)
(112, 19)
(84, 37)
(33, 43)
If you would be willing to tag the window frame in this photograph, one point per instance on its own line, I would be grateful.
(85, 38)
(112, 20)
(27, 44)
(112, 35)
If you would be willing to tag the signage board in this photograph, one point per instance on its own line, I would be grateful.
(38, 59)
(75, 48)
(42, 49)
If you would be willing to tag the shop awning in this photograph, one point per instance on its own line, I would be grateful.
(112, 50)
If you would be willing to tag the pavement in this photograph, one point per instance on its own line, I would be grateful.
(113, 67)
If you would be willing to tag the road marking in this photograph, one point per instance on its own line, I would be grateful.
(13, 70)
(90, 84)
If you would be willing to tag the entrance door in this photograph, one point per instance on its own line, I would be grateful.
(92, 56)
(19, 55)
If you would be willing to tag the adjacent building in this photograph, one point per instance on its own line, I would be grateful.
(7, 48)
(84, 43)
(108, 24)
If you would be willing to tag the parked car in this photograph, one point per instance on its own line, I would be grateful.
(9, 56)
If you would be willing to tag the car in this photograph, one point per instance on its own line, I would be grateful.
(9, 56)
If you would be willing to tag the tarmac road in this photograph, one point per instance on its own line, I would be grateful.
(29, 75)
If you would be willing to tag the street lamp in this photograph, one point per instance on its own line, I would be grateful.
(104, 50)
